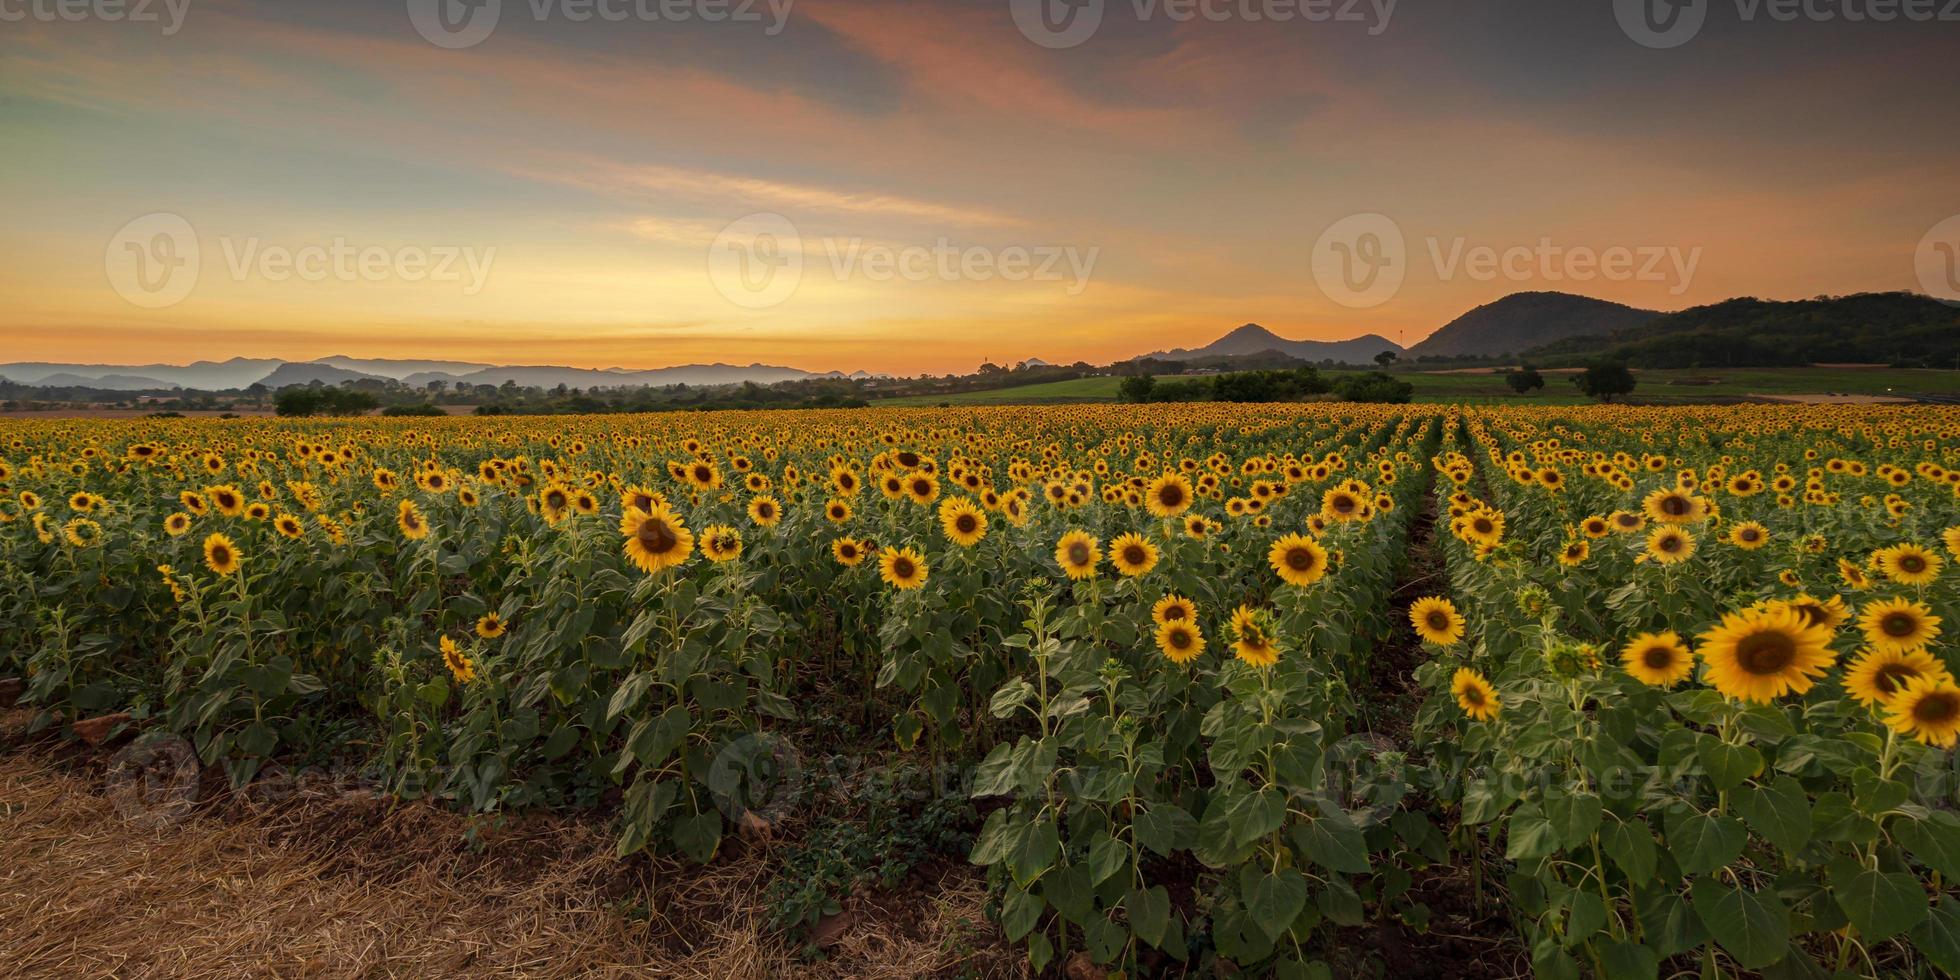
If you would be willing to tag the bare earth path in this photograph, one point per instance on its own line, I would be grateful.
(355, 887)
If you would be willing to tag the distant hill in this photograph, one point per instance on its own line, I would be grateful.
(106, 382)
(550, 376)
(307, 372)
(238, 372)
(1523, 321)
(1893, 328)
(1255, 339)
(399, 370)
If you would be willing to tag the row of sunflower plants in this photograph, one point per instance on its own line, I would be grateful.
(1694, 696)
(1166, 784)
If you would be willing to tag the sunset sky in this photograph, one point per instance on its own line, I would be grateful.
(1197, 163)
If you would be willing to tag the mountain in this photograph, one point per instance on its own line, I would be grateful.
(1522, 321)
(1892, 328)
(106, 382)
(307, 372)
(550, 376)
(399, 370)
(1255, 339)
(238, 372)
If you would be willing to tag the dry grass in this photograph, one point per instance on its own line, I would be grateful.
(353, 886)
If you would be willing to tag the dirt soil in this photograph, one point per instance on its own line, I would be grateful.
(349, 885)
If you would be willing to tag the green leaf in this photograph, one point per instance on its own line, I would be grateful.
(1628, 960)
(1164, 828)
(1631, 846)
(1701, 843)
(1068, 889)
(1753, 927)
(1019, 912)
(1529, 836)
(1728, 766)
(698, 836)
(1938, 938)
(1107, 857)
(1150, 914)
(1276, 900)
(1779, 812)
(1104, 938)
(1036, 850)
(1935, 841)
(1040, 952)
(1574, 816)
(1254, 815)
(1881, 904)
(1333, 841)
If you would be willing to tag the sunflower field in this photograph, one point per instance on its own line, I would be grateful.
(1672, 686)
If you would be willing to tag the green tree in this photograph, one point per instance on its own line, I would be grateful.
(1605, 379)
(1525, 379)
(1136, 390)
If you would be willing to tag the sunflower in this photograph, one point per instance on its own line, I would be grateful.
(1909, 564)
(1255, 645)
(1898, 624)
(1951, 538)
(1626, 522)
(902, 568)
(1595, 527)
(1474, 695)
(1748, 535)
(82, 532)
(1341, 503)
(1575, 553)
(490, 626)
(177, 524)
(554, 503)
(1658, 659)
(1928, 709)
(1830, 613)
(1669, 544)
(837, 511)
(1298, 559)
(1168, 496)
(1762, 654)
(226, 499)
(765, 511)
(1675, 505)
(1173, 608)
(848, 551)
(1878, 675)
(637, 497)
(1483, 527)
(1132, 555)
(289, 526)
(220, 555)
(1436, 620)
(963, 522)
(1180, 641)
(720, 542)
(1853, 576)
(656, 540)
(409, 519)
(459, 663)
(1078, 554)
